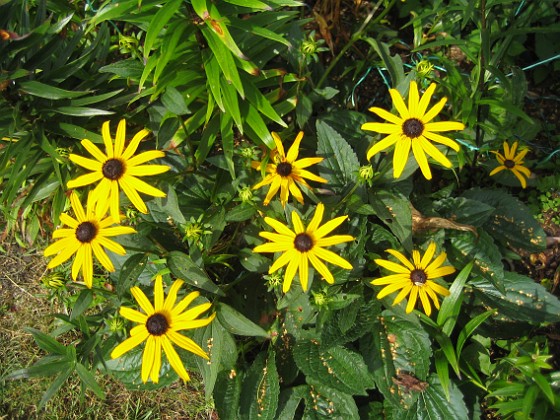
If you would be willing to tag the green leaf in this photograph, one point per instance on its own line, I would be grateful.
(482, 251)
(464, 210)
(442, 369)
(451, 305)
(512, 222)
(340, 160)
(433, 404)
(174, 102)
(252, 4)
(265, 404)
(56, 385)
(82, 303)
(80, 111)
(470, 328)
(182, 266)
(47, 366)
(335, 367)
(393, 208)
(237, 323)
(398, 344)
(225, 60)
(544, 386)
(79, 133)
(393, 63)
(253, 262)
(160, 19)
(241, 213)
(130, 68)
(226, 395)
(524, 299)
(324, 402)
(42, 90)
(46, 342)
(259, 101)
(89, 380)
(257, 130)
(132, 268)
(231, 103)
(214, 334)
(95, 98)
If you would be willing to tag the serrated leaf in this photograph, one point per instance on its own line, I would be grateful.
(335, 367)
(265, 404)
(182, 266)
(512, 222)
(433, 404)
(399, 344)
(237, 323)
(226, 395)
(524, 299)
(324, 402)
(464, 210)
(42, 90)
(340, 159)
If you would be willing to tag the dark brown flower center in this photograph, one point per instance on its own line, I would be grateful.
(157, 324)
(113, 169)
(508, 163)
(86, 232)
(413, 128)
(418, 277)
(284, 169)
(303, 242)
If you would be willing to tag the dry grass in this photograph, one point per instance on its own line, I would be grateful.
(23, 304)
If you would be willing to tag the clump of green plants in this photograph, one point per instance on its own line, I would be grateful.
(316, 232)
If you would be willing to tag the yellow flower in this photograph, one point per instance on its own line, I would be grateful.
(512, 163)
(159, 326)
(302, 246)
(118, 168)
(286, 172)
(414, 278)
(89, 233)
(413, 129)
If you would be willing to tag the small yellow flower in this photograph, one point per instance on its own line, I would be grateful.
(413, 129)
(159, 326)
(286, 172)
(513, 163)
(302, 246)
(89, 233)
(414, 278)
(118, 168)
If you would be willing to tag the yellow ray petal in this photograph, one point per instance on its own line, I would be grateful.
(386, 115)
(133, 196)
(306, 162)
(146, 157)
(412, 299)
(279, 227)
(174, 360)
(413, 100)
(142, 300)
(111, 245)
(184, 303)
(293, 151)
(147, 170)
(156, 367)
(83, 180)
(329, 226)
(148, 358)
(420, 157)
(428, 255)
(442, 140)
(382, 145)
(392, 288)
(133, 315)
(187, 343)
(94, 151)
(129, 344)
(278, 143)
(431, 150)
(65, 254)
(435, 110)
(399, 103)
(78, 262)
(321, 268)
(425, 101)
(87, 268)
(390, 279)
(133, 145)
(391, 266)
(403, 260)
(383, 128)
(171, 297)
(425, 302)
(331, 257)
(304, 271)
(92, 165)
(334, 240)
(102, 257)
(120, 138)
(158, 294)
(402, 150)
(444, 126)
(106, 134)
(316, 219)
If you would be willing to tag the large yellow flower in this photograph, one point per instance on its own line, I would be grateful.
(513, 163)
(413, 129)
(302, 245)
(118, 167)
(89, 233)
(286, 172)
(159, 326)
(414, 278)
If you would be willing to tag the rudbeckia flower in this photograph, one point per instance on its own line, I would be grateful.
(301, 246)
(159, 327)
(89, 233)
(286, 172)
(414, 278)
(509, 161)
(118, 167)
(413, 129)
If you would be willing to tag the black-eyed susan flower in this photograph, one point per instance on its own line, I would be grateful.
(304, 245)
(159, 327)
(413, 129)
(512, 162)
(414, 278)
(285, 172)
(87, 235)
(118, 168)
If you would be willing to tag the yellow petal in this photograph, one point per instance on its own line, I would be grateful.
(133, 315)
(147, 170)
(133, 145)
(331, 257)
(94, 151)
(148, 358)
(442, 140)
(425, 302)
(146, 157)
(434, 111)
(402, 149)
(184, 303)
(413, 100)
(129, 344)
(142, 300)
(412, 299)
(133, 196)
(321, 268)
(172, 295)
(92, 165)
(106, 133)
(293, 151)
(120, 138)
(425, 101)
(383, 144)
(158, 293)
(420, 157)
(404, 261)
(303, 271)
(383, 128)
(187, 343)
(386, 115)
(174, 359)
(399, 103)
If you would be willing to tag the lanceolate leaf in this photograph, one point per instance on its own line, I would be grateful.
(42, 90)
(267, 392)
(237, 323)
(157, 23)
